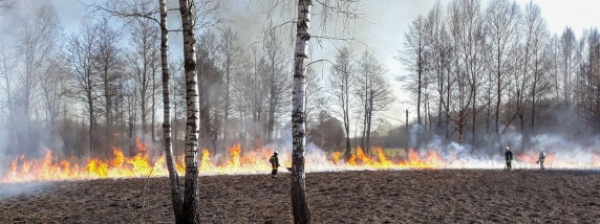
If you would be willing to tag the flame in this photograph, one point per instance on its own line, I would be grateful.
(531, 158)
(236, 161)
(336, 157)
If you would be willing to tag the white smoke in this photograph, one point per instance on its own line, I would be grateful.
(8, 190)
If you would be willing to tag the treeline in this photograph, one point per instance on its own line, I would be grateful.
(476, 72)
(480, 72)
(82, 91)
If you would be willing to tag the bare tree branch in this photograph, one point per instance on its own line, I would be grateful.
(130, 10)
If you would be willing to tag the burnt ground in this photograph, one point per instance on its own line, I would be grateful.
(439, 196)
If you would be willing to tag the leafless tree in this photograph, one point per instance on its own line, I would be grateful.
(531, 81)
(82, 49)
(300, 209)
(7, 87)
(468, 33)
(210, 88)
(374, 92)
(340, 83)
(39, 38)
(54, 83)
(253, 87)
(166, 81)
(589, 83)
(144, 62)
(231, 49)
(143, 9)
(316, 97)
(416, 56)
(439, 76)
(502, 21)
(276, 71)
(108, 65)
(190, 197)
(568, 48)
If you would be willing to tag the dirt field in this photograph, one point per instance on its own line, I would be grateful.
(443, 196)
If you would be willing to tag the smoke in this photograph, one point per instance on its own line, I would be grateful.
(3, 145)
(9, 190)
(564, 152)
(415, 131)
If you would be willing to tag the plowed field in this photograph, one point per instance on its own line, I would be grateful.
(434, 196)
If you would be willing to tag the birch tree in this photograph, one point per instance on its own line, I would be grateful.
(190, 197)
(300, 208)
(141, 10)
(176, 199)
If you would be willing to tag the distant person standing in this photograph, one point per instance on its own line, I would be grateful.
(274, 164)
(509, 157)
(541, 159)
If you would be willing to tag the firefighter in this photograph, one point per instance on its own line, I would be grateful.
(274, 164)
(541, 159)
(509, 157)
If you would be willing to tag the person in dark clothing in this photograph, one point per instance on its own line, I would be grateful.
(274, 164)
(509, 157)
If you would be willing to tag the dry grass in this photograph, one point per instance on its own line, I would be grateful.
(441, 196)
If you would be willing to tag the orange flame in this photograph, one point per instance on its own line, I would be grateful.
(235, 161)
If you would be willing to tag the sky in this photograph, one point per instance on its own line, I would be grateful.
(385, 22)
(380, 30)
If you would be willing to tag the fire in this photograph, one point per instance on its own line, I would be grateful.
(381, 161)
(530, 159)
(236, 161)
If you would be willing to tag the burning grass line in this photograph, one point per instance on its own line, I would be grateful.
(255, 162)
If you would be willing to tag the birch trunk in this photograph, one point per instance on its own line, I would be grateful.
(190, 200)
(300, 208)
(164, 55)
(152, 112)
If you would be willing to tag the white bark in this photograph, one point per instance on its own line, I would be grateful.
(299, 204)
(164, 53)
(190, 200)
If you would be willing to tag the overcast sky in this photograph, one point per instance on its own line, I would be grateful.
(381, 30)
(387, 20)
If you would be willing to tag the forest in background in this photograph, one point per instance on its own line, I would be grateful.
(475, 72)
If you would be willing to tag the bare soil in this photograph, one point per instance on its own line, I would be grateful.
(434, 196)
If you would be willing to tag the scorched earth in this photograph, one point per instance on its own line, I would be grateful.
(417, 196)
